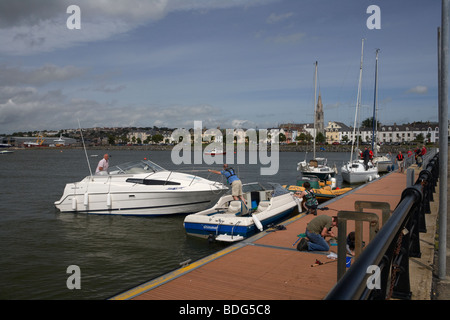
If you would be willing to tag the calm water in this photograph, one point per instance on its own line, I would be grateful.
(114, 253)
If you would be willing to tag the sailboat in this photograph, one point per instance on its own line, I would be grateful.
(354, 171)
(383, 163)
(316, 166)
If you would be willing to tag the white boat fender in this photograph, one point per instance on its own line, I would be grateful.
(108, 200)
(257, 223)
(333, 183)
(86, 199)
(74, 203)
(299, 203)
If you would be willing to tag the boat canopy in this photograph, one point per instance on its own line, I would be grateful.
(134, 167)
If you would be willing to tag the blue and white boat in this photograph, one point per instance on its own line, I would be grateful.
(231, 220)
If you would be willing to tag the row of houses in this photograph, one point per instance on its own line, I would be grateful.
(334, 132)
(338, 132)
(403, 133)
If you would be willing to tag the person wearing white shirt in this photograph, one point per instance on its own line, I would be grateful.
(102, 167)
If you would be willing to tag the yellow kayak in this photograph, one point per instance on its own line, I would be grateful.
(323, 193)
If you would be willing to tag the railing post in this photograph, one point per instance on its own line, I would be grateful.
(383, 206)
(409, 177)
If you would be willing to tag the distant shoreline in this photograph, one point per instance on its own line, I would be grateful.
(394, 149)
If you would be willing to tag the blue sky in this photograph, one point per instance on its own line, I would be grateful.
(228, 63)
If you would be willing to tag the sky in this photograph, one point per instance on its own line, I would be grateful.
(227, 63)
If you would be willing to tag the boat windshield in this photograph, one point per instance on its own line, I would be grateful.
(276, 188)
(141, 166)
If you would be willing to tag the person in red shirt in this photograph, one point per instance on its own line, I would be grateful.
(400, 159)
(424, 150)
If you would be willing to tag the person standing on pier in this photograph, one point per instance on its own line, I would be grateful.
(399, 158)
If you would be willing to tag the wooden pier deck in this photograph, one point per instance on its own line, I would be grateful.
(268, 266)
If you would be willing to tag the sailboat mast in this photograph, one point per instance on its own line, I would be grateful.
(375, 104)
(315, 111)
(358, 98)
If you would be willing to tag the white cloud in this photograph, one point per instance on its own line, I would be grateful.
(11, 76)
(22, 33)
(55, 110)
(274, 18)
(418, 90)
(49, 35)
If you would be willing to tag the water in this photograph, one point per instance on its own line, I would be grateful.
(114, 253)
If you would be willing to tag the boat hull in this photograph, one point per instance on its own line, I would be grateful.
(356, 173)
(205, 230)
(214, 222)
(162, 193)
(384, 166)
(324, 175)
(138, 203)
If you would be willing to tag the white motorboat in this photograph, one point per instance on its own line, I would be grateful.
(140, 188)
(231, 220)
(355, 172)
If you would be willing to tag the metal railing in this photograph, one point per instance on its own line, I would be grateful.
(382, 269)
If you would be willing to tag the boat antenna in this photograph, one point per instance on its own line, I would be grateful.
(358, 101)
(375, 107)
(84, 147)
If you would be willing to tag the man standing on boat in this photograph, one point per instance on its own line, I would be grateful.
(233, 180)
(366, 158)
(102, 167)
